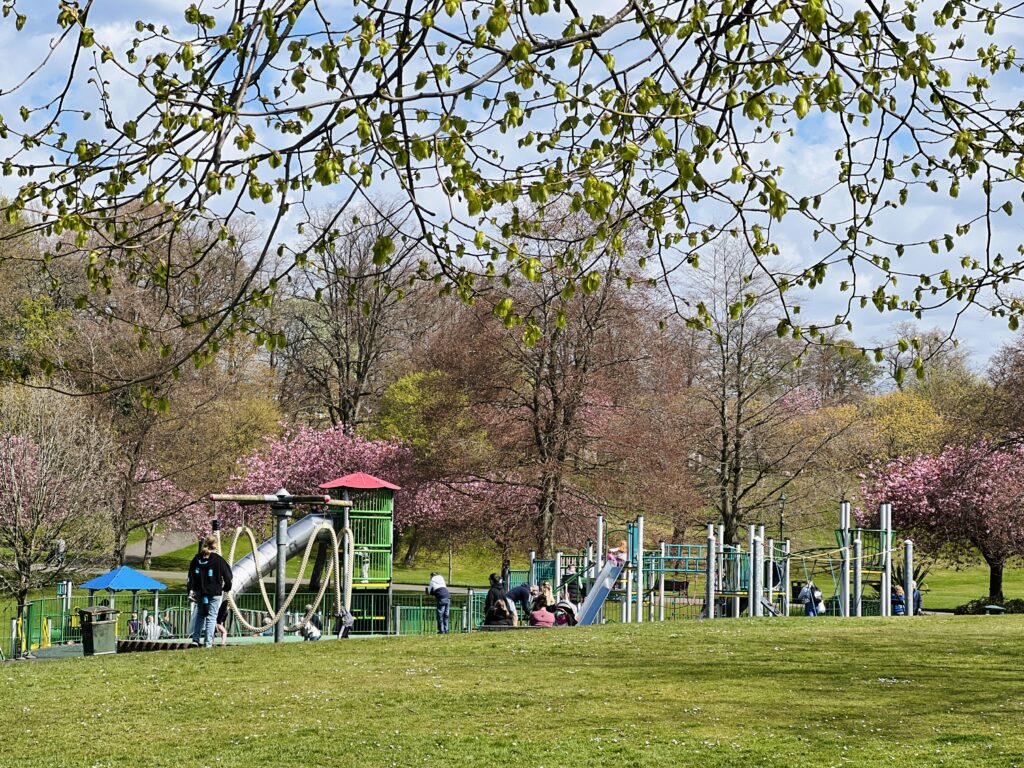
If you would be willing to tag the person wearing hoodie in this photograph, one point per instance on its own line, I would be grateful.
(439, 590)
(209, 577)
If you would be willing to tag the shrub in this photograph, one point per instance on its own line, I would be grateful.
(977, 607)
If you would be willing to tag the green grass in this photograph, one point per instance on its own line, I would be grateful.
(949, 587)
(792, 693)
(471, 565)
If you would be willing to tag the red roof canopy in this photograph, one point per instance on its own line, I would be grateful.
(359, 481)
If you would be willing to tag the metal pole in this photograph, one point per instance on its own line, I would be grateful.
(557, 585)
(627, 572)
(738, 585)
(15, 645)
(640, 576)
(770, 573)
(844, 568)
(721, 557)
(661, 585)
(709, 587)
(786, 584)
(751, 579)
(908, 575)
(281, 512)
(600, 544)
(759, 577)
(532, 577)
(858, 576)
(398, 620)
(887, 574)
(761, 570)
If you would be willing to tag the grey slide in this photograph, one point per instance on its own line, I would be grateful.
(591, 611)
(244, 574)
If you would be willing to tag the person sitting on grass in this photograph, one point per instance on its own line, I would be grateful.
(546, 593)
(540, 616)
(499, 615)
(153, 630)
(269, 631)
(314, 628)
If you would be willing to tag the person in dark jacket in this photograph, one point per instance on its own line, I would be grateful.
(209, 577)
(439, 590)
(522, 595)
(495, 594)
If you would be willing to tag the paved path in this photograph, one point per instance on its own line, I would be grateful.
(162, 544)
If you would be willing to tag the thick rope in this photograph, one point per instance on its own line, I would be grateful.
(333, 569)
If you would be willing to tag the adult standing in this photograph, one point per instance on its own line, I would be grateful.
(810, 596)
(209, 577)
(439, 590)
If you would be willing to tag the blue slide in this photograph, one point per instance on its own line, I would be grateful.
(591, 610)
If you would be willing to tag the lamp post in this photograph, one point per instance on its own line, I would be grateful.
(782, 515)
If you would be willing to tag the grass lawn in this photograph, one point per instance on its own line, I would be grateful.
(933, 691)
(950, 587)
(471, 565)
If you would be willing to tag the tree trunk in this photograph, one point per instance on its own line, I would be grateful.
(548, 506)
(120, 544)
(506, 562)
(147, 557)
(995, 580)
(409, 561)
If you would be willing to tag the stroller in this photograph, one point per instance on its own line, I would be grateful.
(565, 614)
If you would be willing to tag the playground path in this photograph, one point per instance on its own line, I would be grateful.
(162, 544)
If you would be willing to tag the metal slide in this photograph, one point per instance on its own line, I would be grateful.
(591, 610)
(244, 574)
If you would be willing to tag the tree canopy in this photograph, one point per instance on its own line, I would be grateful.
(688, 120)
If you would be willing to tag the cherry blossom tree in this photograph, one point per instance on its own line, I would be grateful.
(303, 458)
(967, 498)
(55, 489)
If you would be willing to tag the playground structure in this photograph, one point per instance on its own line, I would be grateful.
(355, 518)
(682, 580)
(347, 533)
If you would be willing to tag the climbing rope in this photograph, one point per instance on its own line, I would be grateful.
(341, 600)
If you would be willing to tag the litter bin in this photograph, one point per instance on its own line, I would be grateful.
(99, 629)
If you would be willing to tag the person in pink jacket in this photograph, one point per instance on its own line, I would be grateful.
(540, 616)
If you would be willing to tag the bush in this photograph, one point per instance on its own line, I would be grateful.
(977, 607)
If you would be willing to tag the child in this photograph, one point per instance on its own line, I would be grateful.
(618, 554)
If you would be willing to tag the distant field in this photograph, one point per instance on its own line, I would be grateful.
(470, 565)
(789, 694)
(950, 587)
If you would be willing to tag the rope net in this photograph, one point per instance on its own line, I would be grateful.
(342, 585)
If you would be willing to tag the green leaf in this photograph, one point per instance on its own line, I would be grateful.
(382, 250)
